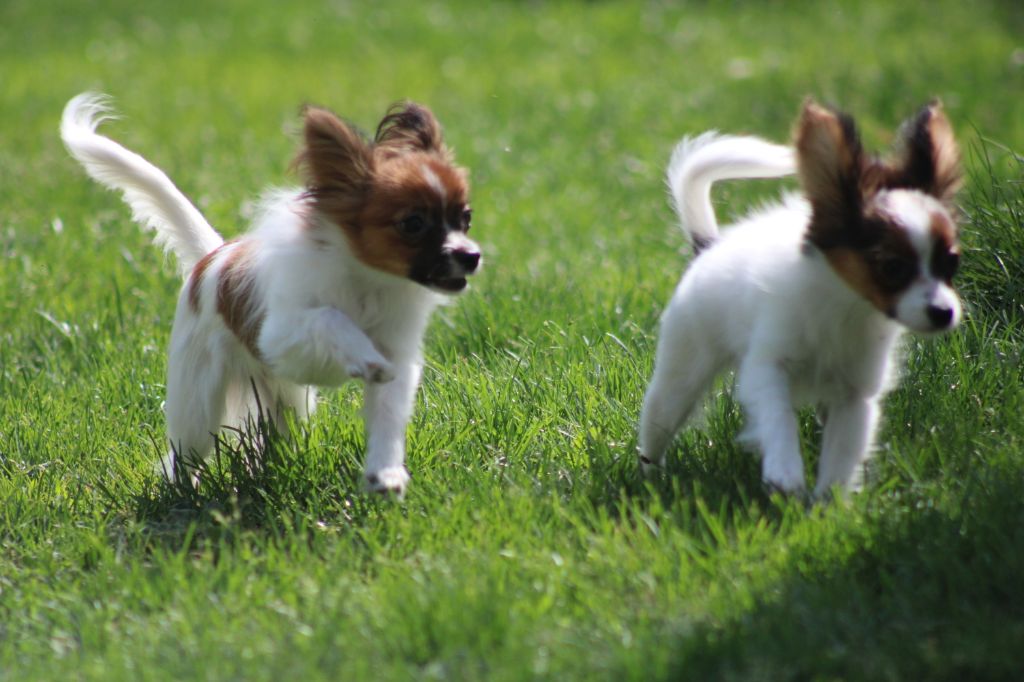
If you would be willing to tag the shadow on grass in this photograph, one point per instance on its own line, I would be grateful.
(259, 479)
(706, 464)
(934, 593)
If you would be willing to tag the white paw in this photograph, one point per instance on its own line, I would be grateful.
(785, 482)
(165, 469)
(372, 369)
(387, 481)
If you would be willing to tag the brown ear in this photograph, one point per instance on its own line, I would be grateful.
(410, 127)
(930, 161)
(335, 158)
(830, 162)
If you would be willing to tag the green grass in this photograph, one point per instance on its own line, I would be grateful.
(527, 547)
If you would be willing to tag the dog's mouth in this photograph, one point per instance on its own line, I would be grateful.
(448, 285)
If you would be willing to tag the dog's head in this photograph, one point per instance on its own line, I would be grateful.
(400, 199)
(887, 228)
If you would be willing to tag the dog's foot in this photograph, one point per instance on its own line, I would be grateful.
(784, 475)
(168, 470)
(789, 487)
(650, 467)
(372, 370)
(389, 481)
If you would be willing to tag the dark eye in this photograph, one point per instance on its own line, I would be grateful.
(945, 264)
(467, 218)
(895, 273)
(412, 226)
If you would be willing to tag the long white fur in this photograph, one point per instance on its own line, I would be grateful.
(700, 161)
(327, 317)
(758, 300)
(155, 202)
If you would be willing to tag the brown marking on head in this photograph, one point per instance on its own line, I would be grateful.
(929, 160)
(942, 228)
(881, 271)
(236, 302)
(413, 187)
(337, 164)
(373, 190)
(830, 163)
(867, 247)
(945, 257)
(410, 127)
(851, 266)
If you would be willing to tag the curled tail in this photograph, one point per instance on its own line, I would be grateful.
(698, 162)
(155, 202)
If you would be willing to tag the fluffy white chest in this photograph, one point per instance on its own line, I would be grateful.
(829, 359)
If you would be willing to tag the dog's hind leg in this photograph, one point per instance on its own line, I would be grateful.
(682, 374)
(274, 399)
(195, 405)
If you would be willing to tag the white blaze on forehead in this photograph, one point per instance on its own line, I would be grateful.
(434, 182)
(913, 212)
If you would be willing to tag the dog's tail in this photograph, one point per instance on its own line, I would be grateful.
(155, 202)
(698, 162)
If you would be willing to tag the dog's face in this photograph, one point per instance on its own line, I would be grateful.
(886, 228)
(401, 201)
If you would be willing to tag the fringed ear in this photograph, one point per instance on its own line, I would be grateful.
(410, 127)
(830, 162)
(335, 158)
(930, 159)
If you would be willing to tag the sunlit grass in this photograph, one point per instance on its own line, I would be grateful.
(527, 547)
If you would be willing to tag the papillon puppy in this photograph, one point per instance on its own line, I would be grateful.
(335, 280)
(807, 298)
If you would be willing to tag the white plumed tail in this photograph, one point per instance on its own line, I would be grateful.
(698, 162)
(155, 202)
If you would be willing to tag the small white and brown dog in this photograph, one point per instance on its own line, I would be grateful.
(807, 298)
(335, 280)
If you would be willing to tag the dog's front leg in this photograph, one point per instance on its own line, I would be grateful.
(845, 443)
(387, 410)
(320, 346)
(763, 390)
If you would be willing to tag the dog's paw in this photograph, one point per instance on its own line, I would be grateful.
(389, 482)
(784, 474)
(790, 486)
(372, 370)
(172, 469)
(651, 467)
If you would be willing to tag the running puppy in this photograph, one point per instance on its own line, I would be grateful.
(335, 280)
(808, 297)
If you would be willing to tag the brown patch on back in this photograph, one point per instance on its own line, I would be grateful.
(195, 281)
(236, 301)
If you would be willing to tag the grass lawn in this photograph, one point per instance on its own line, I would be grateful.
(527, 547)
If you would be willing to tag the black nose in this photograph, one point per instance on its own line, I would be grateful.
(467, 260)
(939, 316)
